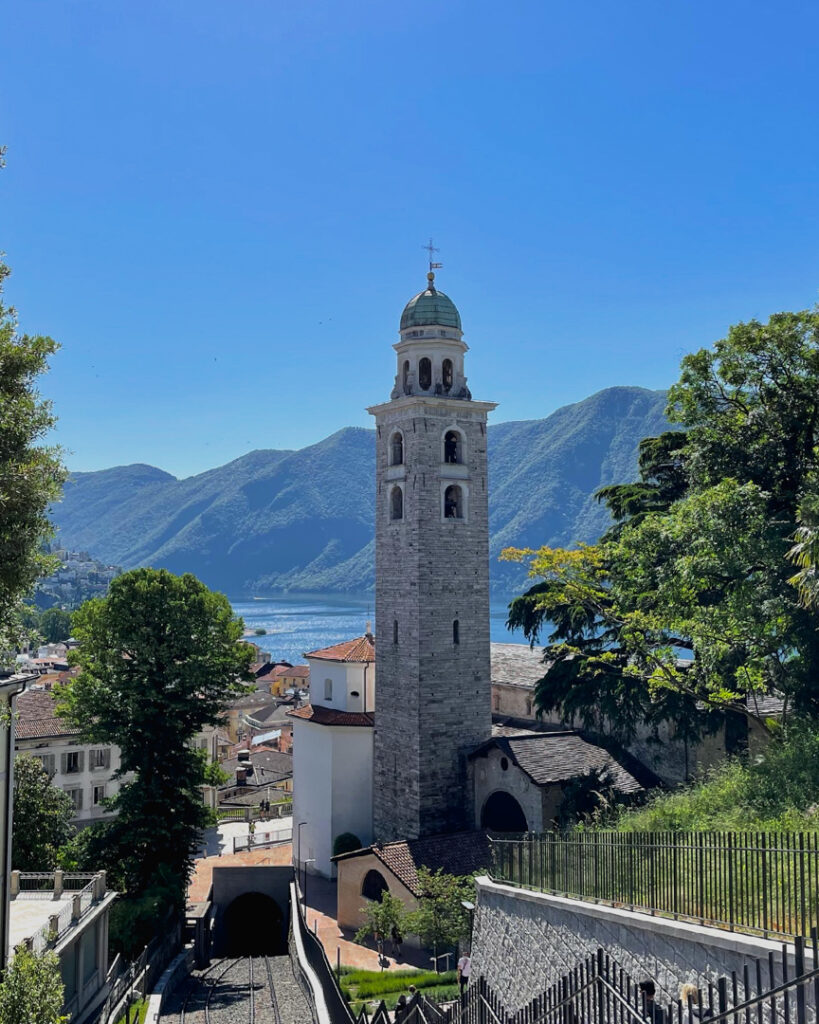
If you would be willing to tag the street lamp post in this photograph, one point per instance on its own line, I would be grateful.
(310, 860)
(298, 847)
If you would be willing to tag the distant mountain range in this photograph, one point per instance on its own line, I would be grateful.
(303, 520)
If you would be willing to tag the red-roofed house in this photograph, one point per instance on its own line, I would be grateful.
(333, 752)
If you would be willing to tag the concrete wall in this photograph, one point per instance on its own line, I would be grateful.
(524, 941)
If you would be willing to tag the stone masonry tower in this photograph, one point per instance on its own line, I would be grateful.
(432, 579)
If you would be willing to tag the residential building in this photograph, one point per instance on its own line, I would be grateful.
(86, 771)
(66, 913)
(10, 687)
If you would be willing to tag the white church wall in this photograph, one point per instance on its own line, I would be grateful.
(342, 685)
(312, 795)
(353, 783)
(490, 777)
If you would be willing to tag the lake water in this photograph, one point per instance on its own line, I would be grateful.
(299, 623)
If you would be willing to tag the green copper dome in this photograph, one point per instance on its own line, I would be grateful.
(430, 308)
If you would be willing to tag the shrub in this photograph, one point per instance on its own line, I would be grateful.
(346, 842)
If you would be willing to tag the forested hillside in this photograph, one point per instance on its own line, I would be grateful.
(304, 519)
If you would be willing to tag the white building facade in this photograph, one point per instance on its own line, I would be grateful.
(333, 754)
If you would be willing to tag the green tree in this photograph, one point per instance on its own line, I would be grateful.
(698, 558)
(441, 921)
(382, 917)
(32, 991)
(42, 817)
(55, 625)
(31, 474)
(346, 842)
(159, 658)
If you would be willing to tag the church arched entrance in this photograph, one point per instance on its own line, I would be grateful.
(502, 813)
(254, 925)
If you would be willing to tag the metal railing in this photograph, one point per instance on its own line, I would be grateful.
(763, 883)
(78, 892)
(262, 840)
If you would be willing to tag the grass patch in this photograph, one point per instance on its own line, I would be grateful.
(136, 1013)
(367, 987)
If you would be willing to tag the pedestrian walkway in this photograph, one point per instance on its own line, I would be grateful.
(321, 919)
(219, 839)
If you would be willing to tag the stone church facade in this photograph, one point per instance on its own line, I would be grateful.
(432, 579)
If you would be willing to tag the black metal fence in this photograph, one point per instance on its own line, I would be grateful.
(764, 883)
(779, 990)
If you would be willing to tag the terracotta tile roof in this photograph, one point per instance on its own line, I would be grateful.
(37, 717)
(461, 853)
(548, 757)
(362, 648)
(329, 716)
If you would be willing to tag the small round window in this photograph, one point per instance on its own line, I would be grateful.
(504, 764)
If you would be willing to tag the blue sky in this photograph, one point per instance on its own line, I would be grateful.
(218, 208)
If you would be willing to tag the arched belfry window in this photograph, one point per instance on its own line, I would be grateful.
(453, 447)
(424, 374)
(456, 632)
(453, 502)
(405, 376)
(397, 449)
(446, 374)
(396, 503)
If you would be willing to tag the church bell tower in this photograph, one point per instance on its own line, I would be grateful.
(432, 579)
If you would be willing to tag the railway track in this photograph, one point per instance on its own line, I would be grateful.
(242, 990)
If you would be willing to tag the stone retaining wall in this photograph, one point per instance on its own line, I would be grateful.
(524, 941)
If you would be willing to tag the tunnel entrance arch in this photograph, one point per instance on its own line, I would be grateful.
(254, 924)
(502, 813)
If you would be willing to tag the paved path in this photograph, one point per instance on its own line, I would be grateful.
(219, 840)
(321, 918)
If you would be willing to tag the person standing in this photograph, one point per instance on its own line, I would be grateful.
(464, 970)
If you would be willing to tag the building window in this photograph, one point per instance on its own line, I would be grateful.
(71, 763)
(328, 689)
(453, 502)
(496, 702)
(396, 503)
(397, 449)
(48, 761)
(405, 376)
(99, 759)
(395, 631)
(76, 796)
(446, 373)
(99, 795)
(456, 632)
(504, 764)
(424, 373)
(373, 886)
(453, 447)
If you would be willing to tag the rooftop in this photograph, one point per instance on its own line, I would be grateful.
(329, 716)
(548, 757)
(430, 308)
(461, 853)
(360, 649)
(37, 899)
(517, 664)
(37, 717)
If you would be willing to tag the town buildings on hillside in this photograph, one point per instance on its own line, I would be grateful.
(79, 578)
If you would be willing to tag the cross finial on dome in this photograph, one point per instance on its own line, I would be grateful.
(430, 248)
